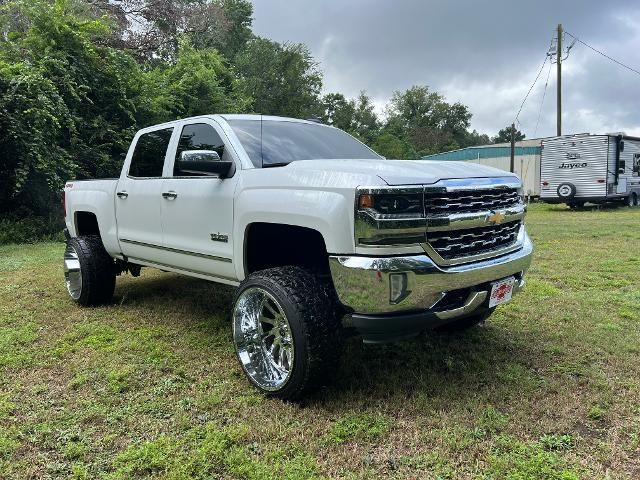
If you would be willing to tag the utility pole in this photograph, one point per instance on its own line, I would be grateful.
(559, 66)
(513, 147)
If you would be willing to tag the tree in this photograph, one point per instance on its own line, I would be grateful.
(338, 111)
(392, 147)
(504, 135)
(68, 101)
(356, 116)
(282, 79)
(198, 83)
(70, 104)
(426, 120)
(153, 29)
(365, 121)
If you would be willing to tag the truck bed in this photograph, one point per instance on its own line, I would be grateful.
(96, 197)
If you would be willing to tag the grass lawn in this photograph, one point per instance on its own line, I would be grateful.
(149, 387)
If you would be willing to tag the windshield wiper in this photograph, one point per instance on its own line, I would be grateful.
(276, 164)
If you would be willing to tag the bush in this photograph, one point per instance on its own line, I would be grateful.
(30, 230)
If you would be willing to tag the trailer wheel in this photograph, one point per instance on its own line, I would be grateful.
(632, 200)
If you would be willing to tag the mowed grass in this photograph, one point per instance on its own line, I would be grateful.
(149, 387)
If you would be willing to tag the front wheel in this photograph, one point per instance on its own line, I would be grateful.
(286, 331)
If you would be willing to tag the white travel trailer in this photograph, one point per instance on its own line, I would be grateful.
(575, 169)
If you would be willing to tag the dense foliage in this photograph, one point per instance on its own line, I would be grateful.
(79, 77)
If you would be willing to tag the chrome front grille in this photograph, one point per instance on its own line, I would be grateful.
(474, 241)
(470, 200)
(465, 225)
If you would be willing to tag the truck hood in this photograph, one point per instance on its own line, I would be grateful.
(403, 172)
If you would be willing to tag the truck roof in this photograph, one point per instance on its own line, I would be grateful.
(234, 116)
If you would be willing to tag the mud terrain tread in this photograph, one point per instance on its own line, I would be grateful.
(315, 306)
(98, 270)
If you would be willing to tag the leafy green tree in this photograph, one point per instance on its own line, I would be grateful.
(392, 147)
(82, 103)
(365, 121)
(238, 14)
(356, 116)
(426, 120)
(338, 111)
(475, 138)
(154, 29)
(198, 83)
(282, 79)
(70, 104)
(504, 135)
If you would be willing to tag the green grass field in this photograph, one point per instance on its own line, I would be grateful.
(149, 387)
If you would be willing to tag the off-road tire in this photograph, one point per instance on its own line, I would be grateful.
(465, 323)
(97, 269)
(312, 314)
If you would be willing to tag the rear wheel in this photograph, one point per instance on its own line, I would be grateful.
(465, 323)
(89, 271)
(632, 200)
(286, 331)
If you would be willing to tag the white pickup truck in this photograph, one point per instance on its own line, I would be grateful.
(320, 235)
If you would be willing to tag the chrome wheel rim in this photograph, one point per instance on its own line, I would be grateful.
(263, 339)
(72, 272)
(565, 191)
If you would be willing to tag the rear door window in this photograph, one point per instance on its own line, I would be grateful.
(149, 153)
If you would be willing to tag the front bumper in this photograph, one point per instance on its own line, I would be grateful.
(384, 293)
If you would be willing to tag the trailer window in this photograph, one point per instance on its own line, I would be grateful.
(149, 153)
(636, 164)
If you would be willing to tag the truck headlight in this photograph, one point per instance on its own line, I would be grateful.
(392, 216)
(390, 204)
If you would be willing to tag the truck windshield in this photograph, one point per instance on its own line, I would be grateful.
(284, 142)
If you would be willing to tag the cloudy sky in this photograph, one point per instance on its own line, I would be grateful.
(483, 54)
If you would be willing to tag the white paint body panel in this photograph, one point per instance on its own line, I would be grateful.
(317, 194)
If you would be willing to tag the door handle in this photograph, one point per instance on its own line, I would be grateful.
(122, 194)
(170, 195)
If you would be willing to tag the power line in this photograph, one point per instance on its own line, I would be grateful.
(603, 54)
(531, 88)
(546, 57)
(544, 93)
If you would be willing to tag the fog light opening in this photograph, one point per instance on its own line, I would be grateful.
(398, 288)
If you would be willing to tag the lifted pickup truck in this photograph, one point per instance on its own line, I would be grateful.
(320, 235)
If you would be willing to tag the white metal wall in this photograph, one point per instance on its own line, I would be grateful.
(527, 167)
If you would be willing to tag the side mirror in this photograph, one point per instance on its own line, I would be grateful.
(203, 162)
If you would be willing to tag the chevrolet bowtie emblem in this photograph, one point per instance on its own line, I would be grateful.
(496, 218)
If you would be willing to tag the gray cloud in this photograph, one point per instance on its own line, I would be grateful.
(483, 54)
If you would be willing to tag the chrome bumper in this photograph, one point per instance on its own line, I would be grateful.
(414, 284)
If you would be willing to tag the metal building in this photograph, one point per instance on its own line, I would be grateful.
(526, 161)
